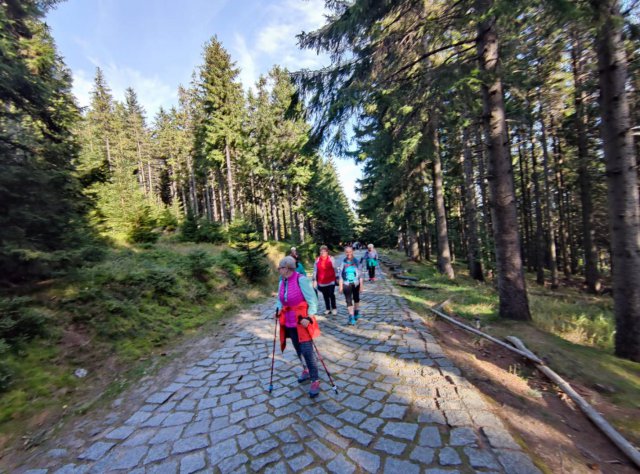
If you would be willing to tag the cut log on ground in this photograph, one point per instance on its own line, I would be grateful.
(402, 277)
(416, 285)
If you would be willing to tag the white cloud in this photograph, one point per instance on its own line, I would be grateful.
(276, 42)
(246, 63)
(152, 92)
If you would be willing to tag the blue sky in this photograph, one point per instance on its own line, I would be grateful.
(155, 45)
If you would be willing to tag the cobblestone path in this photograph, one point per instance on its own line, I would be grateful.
(401, 408)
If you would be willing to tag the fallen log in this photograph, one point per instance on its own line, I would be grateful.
(595, 417)
(414, 285)
(402, 277)
(627, 448)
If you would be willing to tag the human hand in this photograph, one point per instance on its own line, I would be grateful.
(315, 284)
(340, 289)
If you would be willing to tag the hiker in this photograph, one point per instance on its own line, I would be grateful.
(351, 283)
(297, 306)
(324, 278)
(370, 259)
(299, 266)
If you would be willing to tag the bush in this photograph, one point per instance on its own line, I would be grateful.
(19, 322)
(6, 375)
(210, 232)
(142, 228)
(168, 221)
(189, 228)
(199, 264)
(231, 263)
(253, 257)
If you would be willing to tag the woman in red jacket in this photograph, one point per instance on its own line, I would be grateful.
(324, 279)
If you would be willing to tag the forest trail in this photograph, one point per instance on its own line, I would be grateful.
(402, 407)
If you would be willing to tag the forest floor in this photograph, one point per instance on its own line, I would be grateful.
(545, 419)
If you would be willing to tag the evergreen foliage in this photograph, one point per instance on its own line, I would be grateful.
(41, 207)
(253, 256)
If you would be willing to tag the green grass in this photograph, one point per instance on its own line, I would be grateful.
(574, 331)
(132, 305)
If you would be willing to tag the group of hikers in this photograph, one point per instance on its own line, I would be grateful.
(297, 303)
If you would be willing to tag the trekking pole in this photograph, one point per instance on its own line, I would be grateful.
(333, 385)
(273, 352)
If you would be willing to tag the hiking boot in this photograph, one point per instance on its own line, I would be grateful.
(304, 376)
(356, 315)
(327, 311)
(314, 390)
(334, 311)
(352, 320)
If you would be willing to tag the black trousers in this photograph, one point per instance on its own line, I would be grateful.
(329, 295)
(372, 271)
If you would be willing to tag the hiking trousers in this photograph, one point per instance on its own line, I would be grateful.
(304, 349)
(329, 295)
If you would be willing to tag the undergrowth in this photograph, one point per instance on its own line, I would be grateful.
(114, 314)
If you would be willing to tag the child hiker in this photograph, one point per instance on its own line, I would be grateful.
(351, 283)
(298, 305)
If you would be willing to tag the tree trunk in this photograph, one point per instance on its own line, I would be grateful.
(444, 252)
(563, 228)
(622, 180)
(232, 203)
(525, 208)
(487, 226)
(511, 284)
(299, 214)
(591, 273)
(471, 210)
(551, 236)
(275, 224)
(539, 239)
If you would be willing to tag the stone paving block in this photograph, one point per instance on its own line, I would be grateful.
(365, 460)
(291, 450)
(430, 436)
(246, 439)
(164, 435)
(192, 463)
(258, 464)
(458, 418)
(299, 463)
(197, 427)
(39, 471)
(69, 469)
(166, 407)
(57, 453)
(237, 416)
(340, 465)
(257, 409)
(373, 394)
(96, 451)
(193, 443)
(165, 467)
(432, 416)
(120, 433)
(401, 430)
(287, 436)
(422, 454)
(373, 408)
(371, 425)
(279, 468)
(500, 438)
(229, 464)
(258, 421)
(463, 437)
(206, 403)
(516, 462)
(392, 411)
(481, 458)
(330, 420)
(399, 466)
(127, 458)
(222, 450)
(225, 433)
(220, 411)
(263, 447)
(486, 419)
(179, 418)
(155, 421)
(321, 450)
(219, 423)
(355, 402)
(140, 437)
(353, 417)
(137, 418)
(279, 425)
(157, 452)
(355, 434)
(449, 457)
(159, 397)
(389, 446)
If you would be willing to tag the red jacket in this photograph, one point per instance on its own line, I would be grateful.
(304, 334)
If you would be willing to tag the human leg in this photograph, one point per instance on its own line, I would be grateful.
(348, 291)
(326, 296)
